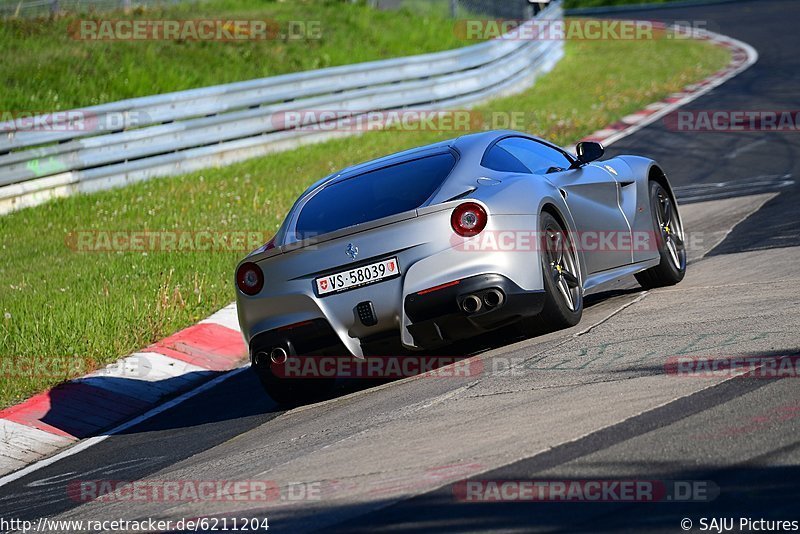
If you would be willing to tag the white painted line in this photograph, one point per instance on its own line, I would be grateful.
(603, 134)
(89, 442)
(655, 106)
(634, 118)
(683, 99)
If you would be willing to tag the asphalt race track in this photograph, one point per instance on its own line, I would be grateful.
(590, 403)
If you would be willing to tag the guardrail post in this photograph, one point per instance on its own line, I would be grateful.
(453, 9)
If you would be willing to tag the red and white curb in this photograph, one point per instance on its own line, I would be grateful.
(108, 397)
(742, 57)
(184, 364)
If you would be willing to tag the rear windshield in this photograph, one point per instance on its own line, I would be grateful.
(373, 195)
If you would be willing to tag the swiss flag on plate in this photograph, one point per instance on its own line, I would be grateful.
(323, 284)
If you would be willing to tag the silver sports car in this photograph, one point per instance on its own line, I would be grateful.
(439, 243)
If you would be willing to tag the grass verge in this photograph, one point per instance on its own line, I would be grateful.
(62, 311)
(45, 68)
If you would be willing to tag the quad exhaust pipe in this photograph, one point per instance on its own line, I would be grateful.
(471, 304)
(278, 356)
(492, 298)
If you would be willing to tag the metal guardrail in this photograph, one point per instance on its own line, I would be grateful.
(507, 9)
(114, 144)
(44, 8)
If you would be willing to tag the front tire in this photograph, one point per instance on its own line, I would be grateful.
(669, 239)
(563, 305)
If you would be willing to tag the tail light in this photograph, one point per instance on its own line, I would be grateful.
(249, 278)
(468, 219)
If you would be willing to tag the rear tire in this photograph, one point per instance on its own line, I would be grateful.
(563, 305)
(669, 240)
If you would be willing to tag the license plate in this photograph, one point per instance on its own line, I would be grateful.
(360, 276)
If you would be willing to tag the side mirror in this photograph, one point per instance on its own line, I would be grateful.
(589, 151)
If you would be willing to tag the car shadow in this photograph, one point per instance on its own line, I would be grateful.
(98, 404)
(756, 492)
(91, 406)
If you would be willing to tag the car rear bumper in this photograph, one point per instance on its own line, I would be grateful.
(364, 315)
(439, 316)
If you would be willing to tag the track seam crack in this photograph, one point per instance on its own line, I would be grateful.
(611, 315)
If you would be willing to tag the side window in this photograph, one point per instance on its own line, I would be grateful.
(538, 157)
(499, 159)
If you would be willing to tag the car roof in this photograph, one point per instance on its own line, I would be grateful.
(470, 149)
(466, 143)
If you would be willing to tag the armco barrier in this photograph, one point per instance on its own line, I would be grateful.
(143, 138)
